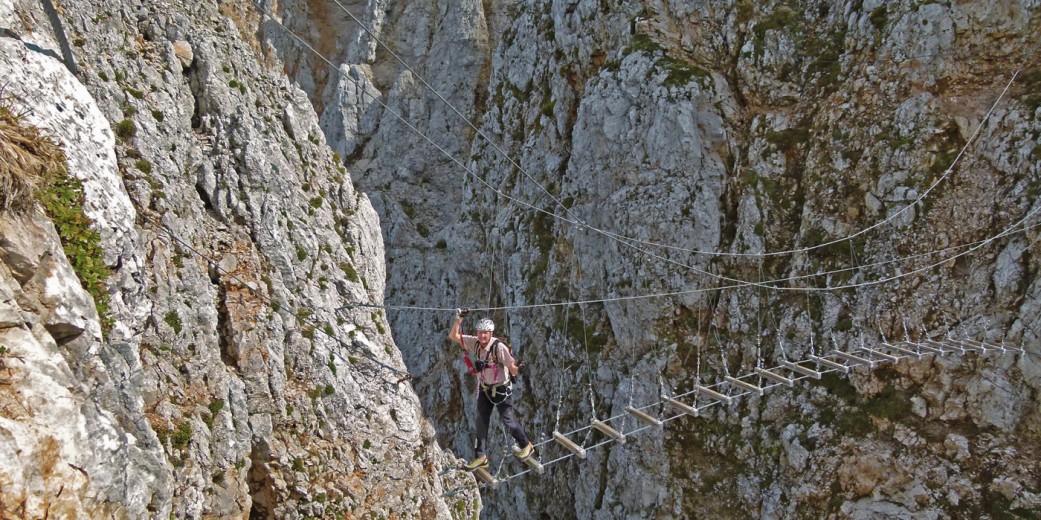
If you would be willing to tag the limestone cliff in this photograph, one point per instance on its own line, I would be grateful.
(232, 379)
(736, 127)
(251, 199)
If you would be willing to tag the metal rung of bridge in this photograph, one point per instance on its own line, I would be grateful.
(992, 347)
(939, 344)
(966, 345)
(929, 348)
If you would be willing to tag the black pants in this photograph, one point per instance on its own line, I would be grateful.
(485, 403)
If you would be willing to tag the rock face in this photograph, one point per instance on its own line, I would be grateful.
(63, 454)
(255, 206)
(736, 127)
(234, 380)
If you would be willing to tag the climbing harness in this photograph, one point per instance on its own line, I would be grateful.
(494, 390)
(490, 361)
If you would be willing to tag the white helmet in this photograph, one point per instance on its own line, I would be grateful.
(485, 325)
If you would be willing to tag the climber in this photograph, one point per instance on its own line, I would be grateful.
(494, 367)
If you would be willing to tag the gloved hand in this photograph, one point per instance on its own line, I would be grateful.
(462, 312)
(522, 369)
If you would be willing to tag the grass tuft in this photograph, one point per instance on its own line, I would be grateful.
(33, 169)
(29, 161)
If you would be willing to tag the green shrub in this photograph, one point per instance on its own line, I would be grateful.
(144, 166)
(125, 129)
(349, 271)
(216, 406)
(547, 107)
(174, 321)
(879, 16)
(786, 140)
(182, 436)
(63, 203)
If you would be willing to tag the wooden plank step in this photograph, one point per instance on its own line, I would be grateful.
(775, 377)
(535, 465)
(486, 478)
(570, 445)
(830, 364)
(680, 407)
(903, 350)
(609, 431)
(644, 416)
(888, 357)
(795, 367)
(713, 394)
(530, 460)
(748, 386)
(852, 358)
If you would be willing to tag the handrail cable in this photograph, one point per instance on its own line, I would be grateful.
(629, 242)
(616, 236)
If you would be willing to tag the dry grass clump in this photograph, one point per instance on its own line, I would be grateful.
(29, 160)
(33, 169)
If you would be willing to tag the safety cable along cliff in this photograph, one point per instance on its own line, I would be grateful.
(622, 239)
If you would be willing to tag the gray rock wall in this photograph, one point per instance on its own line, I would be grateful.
(739, 127)
(236, 379)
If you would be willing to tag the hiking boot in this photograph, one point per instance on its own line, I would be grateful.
(479, 462)
(525, 452)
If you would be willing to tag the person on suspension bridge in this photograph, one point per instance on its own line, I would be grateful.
(495, 369)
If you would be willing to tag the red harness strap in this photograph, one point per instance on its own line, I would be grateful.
(466, 354)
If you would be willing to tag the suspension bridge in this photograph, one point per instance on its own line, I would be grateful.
(561, 446)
